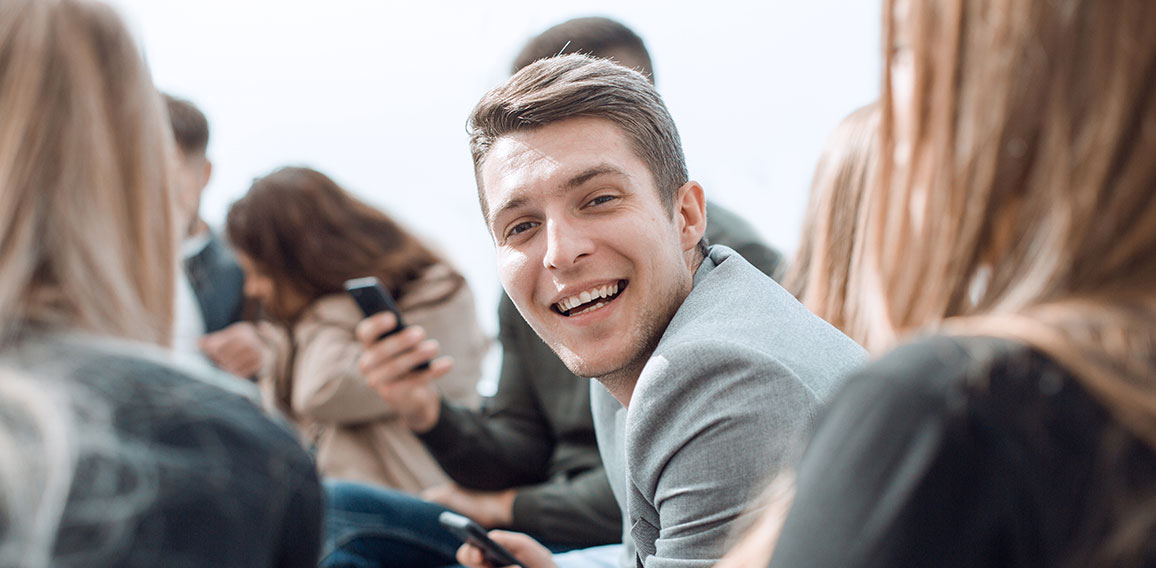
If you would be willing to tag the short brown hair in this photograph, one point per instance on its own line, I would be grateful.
(579, 86)
(596, 36)
(190, 128)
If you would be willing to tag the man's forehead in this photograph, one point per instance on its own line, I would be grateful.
(535, 162)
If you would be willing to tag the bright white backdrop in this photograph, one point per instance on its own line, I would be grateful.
(376, 92)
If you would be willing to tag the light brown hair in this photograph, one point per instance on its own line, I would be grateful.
(87, 238)
(308, 234)
(820, 274)
(573, 86)
(1022, 199)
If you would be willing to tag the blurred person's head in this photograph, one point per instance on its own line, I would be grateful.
(584, 188)
(820, 275)
(191, 132)
(88, 240)
(595, 36)
(300, 236)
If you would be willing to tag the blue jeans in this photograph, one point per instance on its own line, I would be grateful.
(368, 526)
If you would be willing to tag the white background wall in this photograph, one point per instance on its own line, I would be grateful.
(376, 92)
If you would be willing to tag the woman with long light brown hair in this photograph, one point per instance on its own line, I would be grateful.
(131, 459)
(1015, 232)
(299, 236)
(820, 274)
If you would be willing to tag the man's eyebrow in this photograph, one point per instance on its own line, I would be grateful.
(592, 173)
(573, 182)
(506, 206)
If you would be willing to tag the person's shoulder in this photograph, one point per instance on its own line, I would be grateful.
(734, 296)
(739, 306)
(942, 373)
(937, 362)
(332, 309)
(704, 379)
(438, 286)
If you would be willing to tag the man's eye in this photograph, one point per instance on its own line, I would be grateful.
(521, 228)
(602, 199)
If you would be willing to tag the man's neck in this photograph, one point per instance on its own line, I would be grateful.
(621, 383)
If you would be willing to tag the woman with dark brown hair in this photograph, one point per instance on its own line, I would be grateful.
(299, 236)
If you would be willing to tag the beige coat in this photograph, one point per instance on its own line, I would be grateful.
(357, 436)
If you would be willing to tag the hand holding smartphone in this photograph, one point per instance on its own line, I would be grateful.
(473, 534)
(373, 299)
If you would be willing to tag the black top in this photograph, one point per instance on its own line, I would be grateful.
(964, 452)
(177, 469)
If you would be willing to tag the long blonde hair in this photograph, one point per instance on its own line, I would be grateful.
(86, 233)
(821, 271)
(1027, 209)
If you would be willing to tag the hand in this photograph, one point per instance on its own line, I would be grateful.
(491, 509)
(389, 363)
(527, 550)
(237, 349)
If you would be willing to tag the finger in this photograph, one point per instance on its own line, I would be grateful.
(434, 492)
(209, 344)
(373, 327)
(405, 373)
(387, 348)
(380, 366)
(470, 555)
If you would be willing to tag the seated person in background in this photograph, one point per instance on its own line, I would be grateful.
(709, 370)
(529, 462)
(299, 236)
(144, 463)
(210, 301)
(820, 275)
(1017, 234)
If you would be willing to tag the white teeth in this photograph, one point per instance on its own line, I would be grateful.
(591, 308)
(571, 302)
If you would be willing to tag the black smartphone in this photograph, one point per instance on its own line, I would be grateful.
(473, 533)
(372, 298)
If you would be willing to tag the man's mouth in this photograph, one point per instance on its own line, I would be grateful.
(590, 300)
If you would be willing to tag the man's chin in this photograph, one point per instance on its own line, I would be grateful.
(590, 367)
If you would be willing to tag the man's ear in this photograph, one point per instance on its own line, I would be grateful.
(690, 213)
(207, 174)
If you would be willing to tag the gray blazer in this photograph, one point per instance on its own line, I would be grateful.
(722, 405)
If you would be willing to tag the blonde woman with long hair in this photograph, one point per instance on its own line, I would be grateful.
(177, 467)
(1015, 233)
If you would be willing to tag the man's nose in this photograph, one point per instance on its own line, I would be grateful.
(566, 243)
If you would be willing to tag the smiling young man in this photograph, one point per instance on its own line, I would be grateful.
(708, 372)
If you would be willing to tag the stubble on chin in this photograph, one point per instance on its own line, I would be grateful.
(619, 377)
